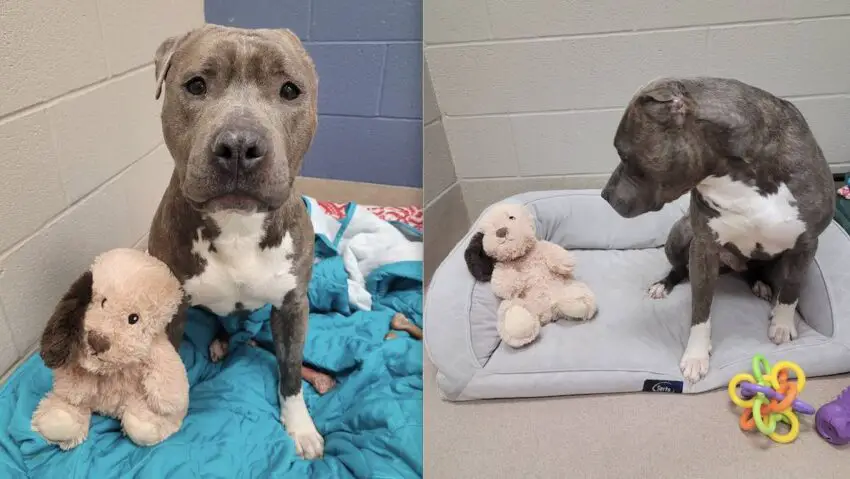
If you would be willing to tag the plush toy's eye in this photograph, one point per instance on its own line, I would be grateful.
(511, 218)
(103, 303)
(133, 318)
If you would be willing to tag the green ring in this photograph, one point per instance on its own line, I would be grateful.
(760, 360)
(766, 429)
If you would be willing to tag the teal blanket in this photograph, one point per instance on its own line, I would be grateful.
(371, 420)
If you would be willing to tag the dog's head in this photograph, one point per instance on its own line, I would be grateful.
(505, 233)
(239, 114)
(661, 150)
(111, 314)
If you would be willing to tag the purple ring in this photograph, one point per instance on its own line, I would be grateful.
(749, 390)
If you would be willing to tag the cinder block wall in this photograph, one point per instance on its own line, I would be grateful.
(446, 218)
(368, 55)
(531, 92)
(83, 163)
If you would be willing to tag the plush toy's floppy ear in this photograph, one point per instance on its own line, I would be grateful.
(479, 264)
(64, 329)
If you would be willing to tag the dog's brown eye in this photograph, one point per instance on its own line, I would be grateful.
(133, 318)
(103, 303)
(289, 91)
(511, 218)
(196, 86)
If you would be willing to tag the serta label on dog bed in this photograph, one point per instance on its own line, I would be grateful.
(662, 386)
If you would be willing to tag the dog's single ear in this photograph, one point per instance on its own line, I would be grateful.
(666, 103)
(64, 330)
(479, 264)
(162, 59)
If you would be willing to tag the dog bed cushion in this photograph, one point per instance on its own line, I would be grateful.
(371, 420)
(635, 342)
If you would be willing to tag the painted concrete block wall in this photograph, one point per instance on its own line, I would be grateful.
(369, 58)
(84, 164)
(446, 218)
(531, 92)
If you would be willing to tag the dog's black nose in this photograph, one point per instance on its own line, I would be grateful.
(98, 342)
(244, 149)
(501, 232)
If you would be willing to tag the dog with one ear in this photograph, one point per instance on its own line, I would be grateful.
(534, 278)
(107, 345)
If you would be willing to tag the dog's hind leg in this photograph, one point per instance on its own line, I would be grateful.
(662, 288)
(320, 381)
(677, 250)
(791, 270)
(758, 278)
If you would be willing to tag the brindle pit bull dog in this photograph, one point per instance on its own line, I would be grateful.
(239, 114)
(761, 193)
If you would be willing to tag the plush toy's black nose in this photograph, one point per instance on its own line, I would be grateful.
(501, 232)
(98, 342)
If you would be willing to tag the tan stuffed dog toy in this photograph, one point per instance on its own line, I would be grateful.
(109, 352)
(534, 278)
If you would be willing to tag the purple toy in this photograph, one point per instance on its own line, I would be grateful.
(833, 420)
(749, 390)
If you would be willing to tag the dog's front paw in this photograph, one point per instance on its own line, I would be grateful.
(695, 360)
(658, 290)
(309, 444)
(762, 290)
(218, 349)
(694, 365)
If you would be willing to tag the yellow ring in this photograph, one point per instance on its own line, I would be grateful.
(771, 380)
(790, 418)
(733, 388)
(798, 371)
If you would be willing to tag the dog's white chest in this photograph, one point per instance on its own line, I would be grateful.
(237, 270)
(750, 220)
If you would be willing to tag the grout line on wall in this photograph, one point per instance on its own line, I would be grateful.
(76, 92)
(382, 80)
(362, 42)
(309, 20)
(384, 118)
(535, 177)
(109, 73)
(8, 328)
(441, 194)
(71, 207)
(607, 109)
(57, 149)
(636, 31)
(435, 120)
(489, 18)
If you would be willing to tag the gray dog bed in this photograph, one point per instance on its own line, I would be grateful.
(635, 342)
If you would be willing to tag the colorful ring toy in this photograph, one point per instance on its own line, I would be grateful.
(768, 398)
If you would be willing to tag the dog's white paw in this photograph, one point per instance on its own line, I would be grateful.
(695, 360)
(218, 350)
(762, 290)
(657, 290)
(783, 327)
(694, 367)
(309, 444)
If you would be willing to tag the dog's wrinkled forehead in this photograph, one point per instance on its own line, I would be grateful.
(245, 55)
